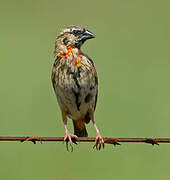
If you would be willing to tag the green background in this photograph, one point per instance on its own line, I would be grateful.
(132, 57)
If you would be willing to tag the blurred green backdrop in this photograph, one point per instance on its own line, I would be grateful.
(132, 57)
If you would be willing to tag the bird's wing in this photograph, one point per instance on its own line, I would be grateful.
(54, 71)
(96, 78)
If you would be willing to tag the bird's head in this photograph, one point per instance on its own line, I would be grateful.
(75, 36)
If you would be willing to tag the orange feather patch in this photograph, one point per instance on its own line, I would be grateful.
(69, 52)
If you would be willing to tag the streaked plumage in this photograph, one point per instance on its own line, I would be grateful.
(75, 81)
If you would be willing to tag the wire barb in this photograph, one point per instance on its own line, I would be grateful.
(113, 141)
(151, 141)
(33, 139)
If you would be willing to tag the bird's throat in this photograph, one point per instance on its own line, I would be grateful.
(75, 56)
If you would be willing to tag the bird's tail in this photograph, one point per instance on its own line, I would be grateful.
(80, 128)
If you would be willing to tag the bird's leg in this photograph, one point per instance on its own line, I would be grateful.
(69, 138)
(99, 142)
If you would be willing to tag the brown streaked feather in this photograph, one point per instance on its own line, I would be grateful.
(96, 77)
(96, 80)
(54, 71)
(68, 84)
(53, 77)
(87, 116)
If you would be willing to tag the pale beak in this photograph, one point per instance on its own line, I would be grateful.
(88, 35)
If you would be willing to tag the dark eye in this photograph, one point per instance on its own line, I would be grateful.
(76, 32)
(65, 41)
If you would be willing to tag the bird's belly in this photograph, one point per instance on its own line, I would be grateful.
(77, 95)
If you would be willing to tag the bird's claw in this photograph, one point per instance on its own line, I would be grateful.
(99, 142)
(70, 138)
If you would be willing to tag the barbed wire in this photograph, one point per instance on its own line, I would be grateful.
(107, 140)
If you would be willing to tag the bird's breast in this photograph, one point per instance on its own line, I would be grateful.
(75, 83)
(71, 56)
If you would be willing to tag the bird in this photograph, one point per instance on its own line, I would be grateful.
(75, 83)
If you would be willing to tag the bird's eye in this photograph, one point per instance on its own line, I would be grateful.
(76, 32)
(65, 41)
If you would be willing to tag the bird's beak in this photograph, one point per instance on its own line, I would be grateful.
(86, 35)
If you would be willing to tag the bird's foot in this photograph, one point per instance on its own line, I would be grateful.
(70, 138)
(32, 138)
(99, 142)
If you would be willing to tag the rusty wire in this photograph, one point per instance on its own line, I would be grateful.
(107, 140)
